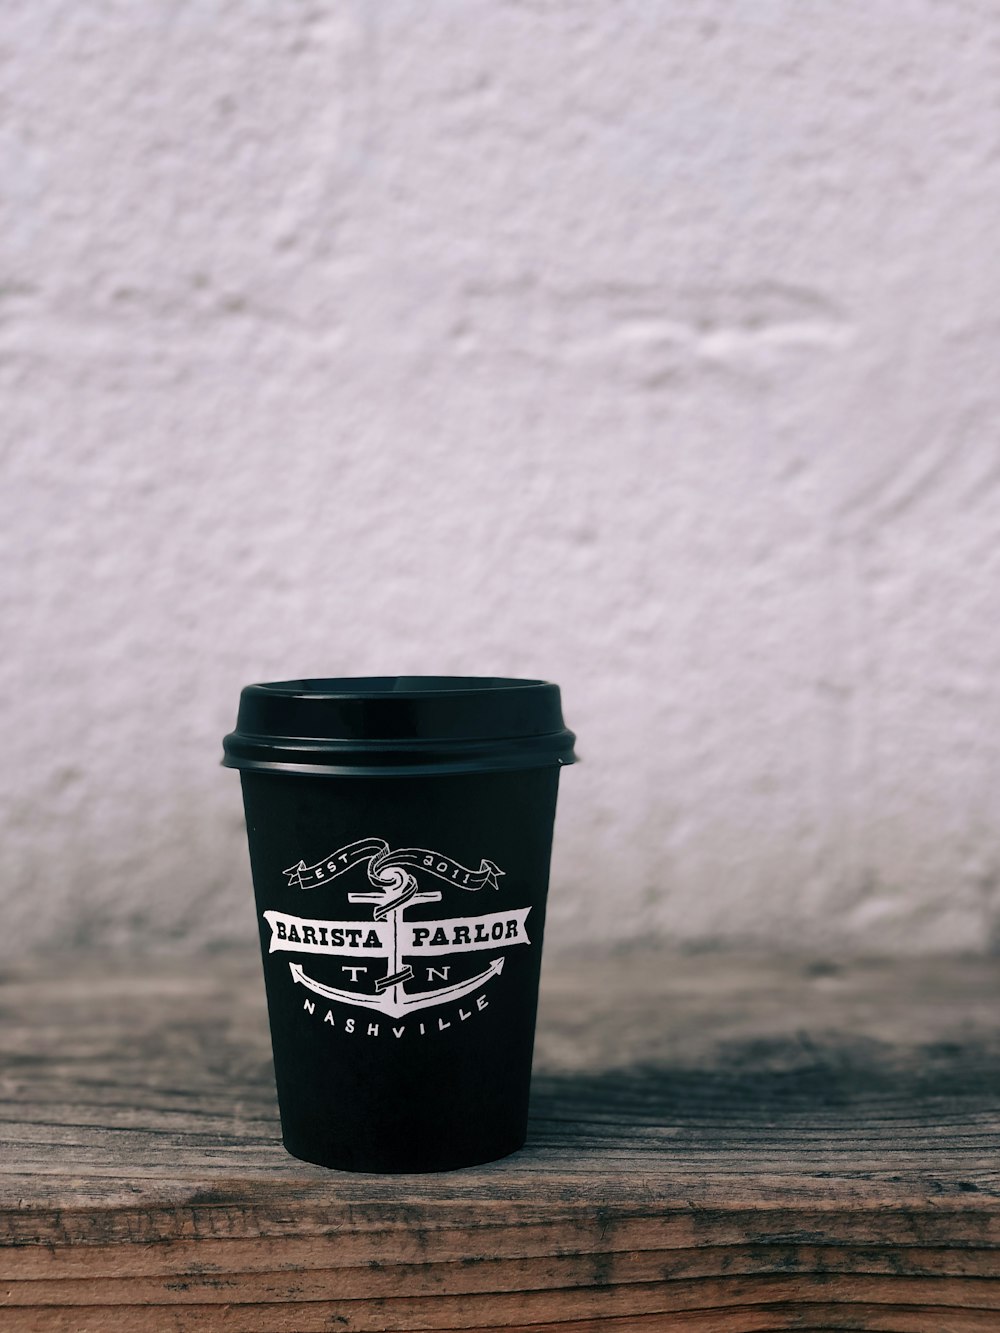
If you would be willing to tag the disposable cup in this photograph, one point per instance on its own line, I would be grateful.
(400, 831)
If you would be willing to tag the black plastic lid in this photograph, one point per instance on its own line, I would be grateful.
(391, 725)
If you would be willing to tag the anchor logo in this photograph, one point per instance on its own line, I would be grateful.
(391, 934)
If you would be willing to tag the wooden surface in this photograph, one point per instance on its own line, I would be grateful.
(715, 1144)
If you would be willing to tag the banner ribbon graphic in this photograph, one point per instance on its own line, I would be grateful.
(415, 939)
(386, 870)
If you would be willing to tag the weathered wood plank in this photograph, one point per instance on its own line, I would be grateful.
(585, 1315)
(715, 1144)
(738, 1275)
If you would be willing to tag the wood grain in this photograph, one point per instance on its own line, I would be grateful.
(716, 1144)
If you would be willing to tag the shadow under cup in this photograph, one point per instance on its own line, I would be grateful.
(400, 830)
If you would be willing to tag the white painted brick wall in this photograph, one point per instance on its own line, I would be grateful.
(649, 347)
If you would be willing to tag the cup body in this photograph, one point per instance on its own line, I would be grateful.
(400, 831)
(433, 1071)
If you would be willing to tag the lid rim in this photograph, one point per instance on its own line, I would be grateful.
(511, 764)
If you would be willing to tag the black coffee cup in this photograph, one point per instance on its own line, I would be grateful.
(400, 830)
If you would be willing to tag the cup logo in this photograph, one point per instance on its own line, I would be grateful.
(387, 967)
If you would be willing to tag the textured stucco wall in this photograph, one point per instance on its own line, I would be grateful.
(648, 347)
